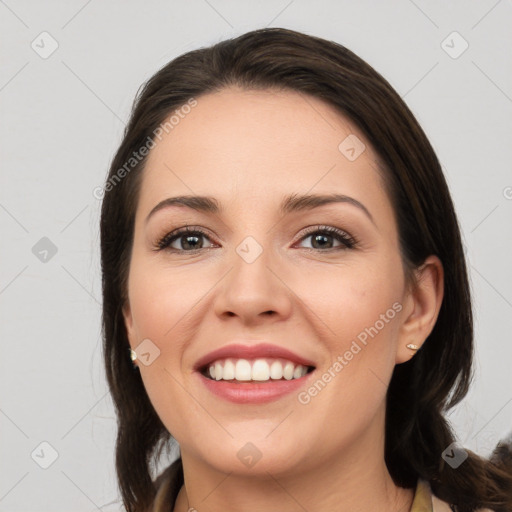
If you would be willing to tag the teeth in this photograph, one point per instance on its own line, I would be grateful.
(261, 370)
(218, 371)
(297, 373)
(288, 371)
(242, 370)
(276, 370)
(229, 370)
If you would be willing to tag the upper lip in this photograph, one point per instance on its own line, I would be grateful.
(261, 350)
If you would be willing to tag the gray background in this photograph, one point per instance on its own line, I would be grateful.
(61, 120)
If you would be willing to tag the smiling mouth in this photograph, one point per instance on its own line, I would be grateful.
(254, 370)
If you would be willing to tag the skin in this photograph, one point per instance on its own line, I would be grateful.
(248, 149)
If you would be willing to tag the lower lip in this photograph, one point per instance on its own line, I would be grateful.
(253, 392)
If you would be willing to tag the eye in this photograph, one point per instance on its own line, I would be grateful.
(188, 238)
(323, 236)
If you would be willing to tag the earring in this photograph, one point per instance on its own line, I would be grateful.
(412, 346)
(133, 355)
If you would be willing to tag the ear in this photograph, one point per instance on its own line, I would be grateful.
(128, 322)
(421, 307)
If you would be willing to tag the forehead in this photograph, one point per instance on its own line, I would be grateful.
(255, 144)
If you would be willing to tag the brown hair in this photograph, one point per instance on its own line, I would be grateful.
(422, 389)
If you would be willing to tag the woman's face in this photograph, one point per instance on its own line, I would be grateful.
(263, 276)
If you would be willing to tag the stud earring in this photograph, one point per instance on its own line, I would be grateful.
(412, 346)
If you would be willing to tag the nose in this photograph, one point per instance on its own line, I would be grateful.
(254, 291)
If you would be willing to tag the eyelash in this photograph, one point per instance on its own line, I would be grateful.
(347, 241)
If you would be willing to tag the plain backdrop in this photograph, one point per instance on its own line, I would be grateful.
(69, 73)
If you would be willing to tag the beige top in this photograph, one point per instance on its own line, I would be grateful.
(426, 501)
(170, 481)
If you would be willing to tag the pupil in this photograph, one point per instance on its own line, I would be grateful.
(189, 237)
(318, 238)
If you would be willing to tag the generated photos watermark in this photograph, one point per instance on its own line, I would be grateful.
(139, 155)
(305, 397)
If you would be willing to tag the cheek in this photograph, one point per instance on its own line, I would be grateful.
(162, 300)
(168, 305)
(354, 302)
(359, 308)
(162, 303)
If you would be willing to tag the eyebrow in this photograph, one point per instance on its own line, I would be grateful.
(290, 203)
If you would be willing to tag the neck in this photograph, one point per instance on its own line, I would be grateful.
(351, 480)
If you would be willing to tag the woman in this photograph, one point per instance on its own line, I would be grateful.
(282, 261)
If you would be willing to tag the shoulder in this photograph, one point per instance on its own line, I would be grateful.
(438, 505)
(427, 501)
